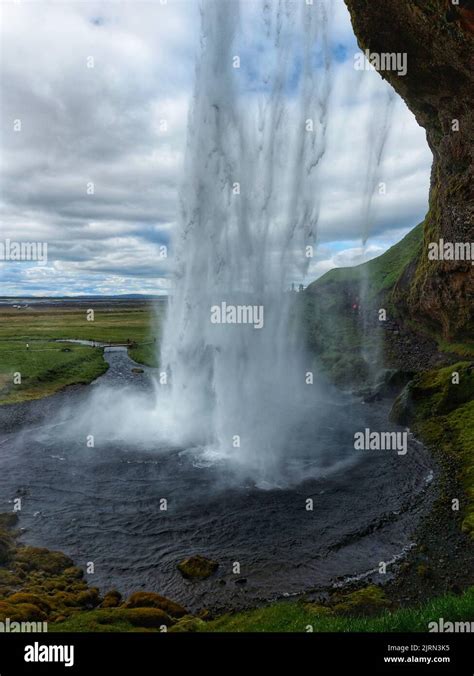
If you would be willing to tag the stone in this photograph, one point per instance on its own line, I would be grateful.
(197, 567)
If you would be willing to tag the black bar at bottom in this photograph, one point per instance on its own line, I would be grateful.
(153, 653)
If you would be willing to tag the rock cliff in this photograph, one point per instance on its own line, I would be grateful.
(438, 38)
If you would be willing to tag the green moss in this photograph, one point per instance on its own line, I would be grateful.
(297, 617)
(152, 600)
(8, 520)
(197, 567)
(366, 601)
(90, 621)
(64, 599)
(21, 612)
(346, 368)
(7, 537)
(33, 599)
(89, 598)
(188, 624)
(442, 413)
(137, 617)
(317, 609)
(423, 571)
(112, 599)
(74, 572)
(38, 558)
(6, 548)
(8, 578)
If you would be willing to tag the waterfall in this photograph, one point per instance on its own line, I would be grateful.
(237, 372)
(377, 137)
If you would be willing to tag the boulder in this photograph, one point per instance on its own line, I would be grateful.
(197, 567)
(152, 600)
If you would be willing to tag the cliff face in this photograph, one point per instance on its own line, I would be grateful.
(438, 38)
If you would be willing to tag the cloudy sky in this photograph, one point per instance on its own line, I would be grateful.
(95, 97)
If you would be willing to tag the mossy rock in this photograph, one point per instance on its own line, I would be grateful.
(112, 599)
(138, 617)
(188, 624)
(197, 567)
(424, 571)
(403, 407)
(74, 572)
(38, 558)
(318, 609)
(64, 599)
(152, 600)
(6, 610)
(468, 524)
(7, 545)
(346, 369)
(8, 520)
(21, 612)
(89, 598)
(443, 416)
(54, 585)
(8, 578)
(206, 614)
(34, 599)
(367, 601)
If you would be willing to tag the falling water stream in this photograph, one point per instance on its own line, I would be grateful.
(248, 221)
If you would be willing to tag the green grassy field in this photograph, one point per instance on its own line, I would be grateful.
(46, 366)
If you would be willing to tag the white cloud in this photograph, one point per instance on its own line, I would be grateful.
(104, 124)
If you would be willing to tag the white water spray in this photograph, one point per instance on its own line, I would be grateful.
(249, 212)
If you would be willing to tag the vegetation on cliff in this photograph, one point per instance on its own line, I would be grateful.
(439, 407)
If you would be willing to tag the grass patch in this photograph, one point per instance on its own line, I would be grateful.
(145, 354)
(47, 367)
(112, 324)
(299, 617)
(114, 620)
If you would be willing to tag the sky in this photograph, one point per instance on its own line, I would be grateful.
(94, 106)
